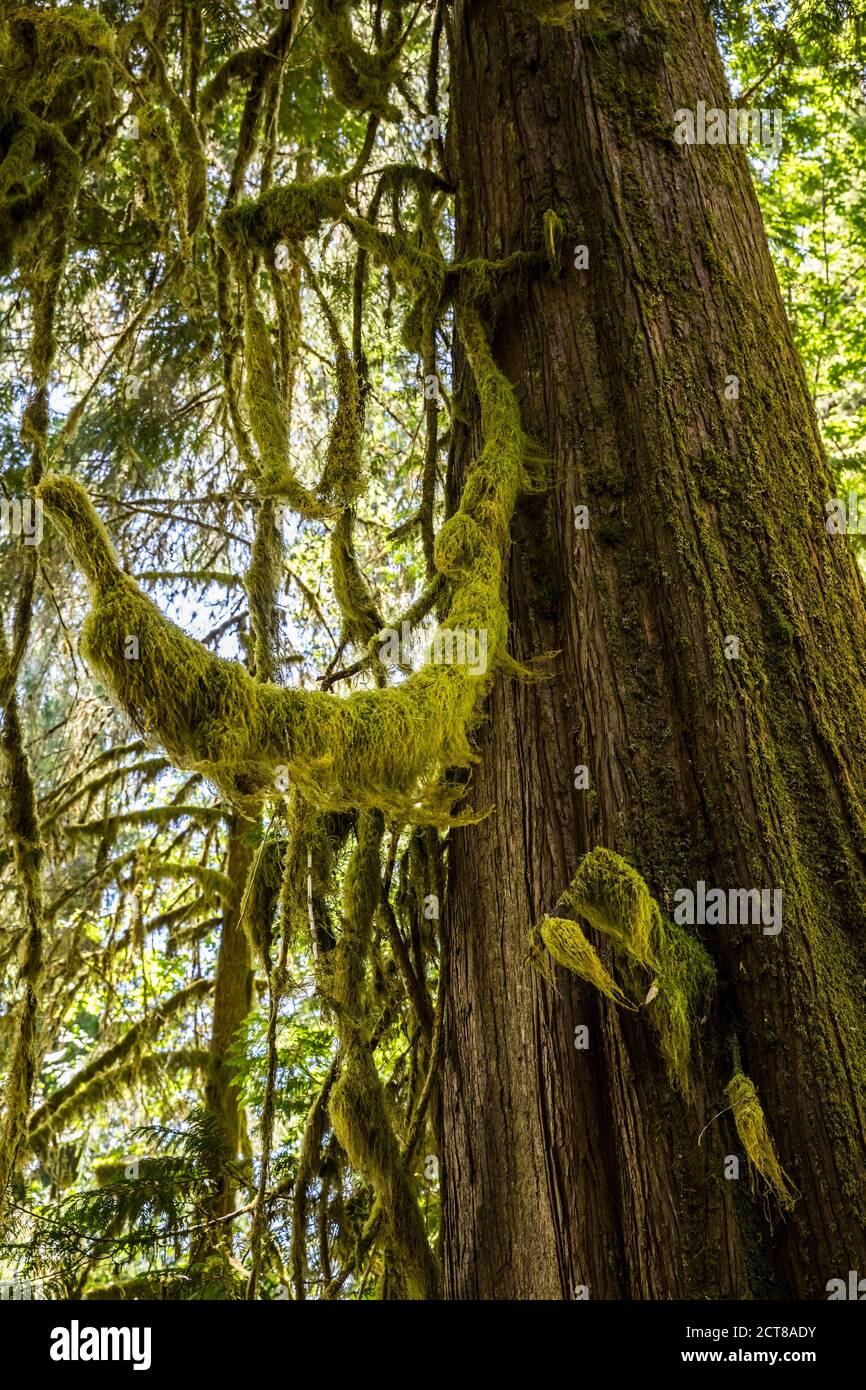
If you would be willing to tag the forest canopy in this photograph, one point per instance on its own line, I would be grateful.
(240, 338)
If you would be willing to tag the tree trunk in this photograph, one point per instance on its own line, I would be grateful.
(565, 1167)
(233, 993)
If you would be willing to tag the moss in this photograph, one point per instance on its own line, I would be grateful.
(22, 827)
(262, 582)
(343, 474)
(460, 545)
(567, 944)
(557, 14)
(363, 1126)
(93, 1081)
(160, 148)
(362, 619)
(269, 421)
(358, 1107)
(361, 80)
(383, 748)
(755, 1138)
(51, 35)
(289, 214)
(553, 233)
(613, 898)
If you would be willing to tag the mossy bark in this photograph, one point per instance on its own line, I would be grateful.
(566, 1167)
(233, 993)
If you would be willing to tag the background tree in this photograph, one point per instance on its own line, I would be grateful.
(260, 281)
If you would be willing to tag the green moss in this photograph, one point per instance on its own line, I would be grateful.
(262, 582)
(361, 80)
(363, 1127)
(755, 1138)
(553, 233)
(383, 748)
(269, 421)
(22, 828)
(613, 898)
(567, 944)
(288, 213)
(361, 617)
(558, 14)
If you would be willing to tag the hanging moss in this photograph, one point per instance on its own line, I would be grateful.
(362, 619)
(358, 1108)
(567, 944)
(269, 422)
(158, 146)
(22, 826)
(755, 1138)
(262, 582)
(553, 234)
(363, 1126)
(261, 895)
(613, 898)
(343, 474)
(361, 80)
(90, 1085)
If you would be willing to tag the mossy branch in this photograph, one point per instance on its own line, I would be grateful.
(52, 1114)
(378, 748)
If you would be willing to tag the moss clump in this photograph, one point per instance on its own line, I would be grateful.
(52, 35)
(287, 214)
(555, 13)
(553, 233)
(613, 898)
(460, 545)
(755, 1138)
(567, 944)
(361, 80)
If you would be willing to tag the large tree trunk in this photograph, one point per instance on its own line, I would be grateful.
(566, 1167)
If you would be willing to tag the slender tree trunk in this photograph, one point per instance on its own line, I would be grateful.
(232, 1002)
(565, 1167)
